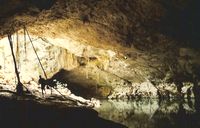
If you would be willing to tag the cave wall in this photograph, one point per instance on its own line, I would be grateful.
(123, 47)
(52, 59)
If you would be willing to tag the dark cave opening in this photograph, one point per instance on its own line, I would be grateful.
(182, 23)
(10, 8)
(43, 4)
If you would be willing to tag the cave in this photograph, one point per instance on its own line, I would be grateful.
(99, 63)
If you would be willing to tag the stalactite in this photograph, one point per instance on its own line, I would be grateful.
(19, 87)
(4, 61)
(75, 60)
(67, 60)
(85, 55)
(25, 44)
(98, 77)
(61, 61)
(70, 61)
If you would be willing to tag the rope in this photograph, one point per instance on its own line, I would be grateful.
(59, 93)
(11, 47)
(25, 30)
(35, 52)
(16, 71)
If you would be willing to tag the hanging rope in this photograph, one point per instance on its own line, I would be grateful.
(35, 51)
(14, 60)
(11, 47)
(25, 42)
(26, 31)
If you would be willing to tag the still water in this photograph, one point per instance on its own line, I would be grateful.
(148, 113)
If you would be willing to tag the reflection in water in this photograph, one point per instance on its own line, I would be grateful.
(148, 113)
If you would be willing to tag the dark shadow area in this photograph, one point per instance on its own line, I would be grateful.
(76, 87)
(182, 23)
(30, 114)
(11, 7)
(43, 4)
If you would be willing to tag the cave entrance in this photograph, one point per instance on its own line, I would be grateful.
(26, 66)
(20, 86)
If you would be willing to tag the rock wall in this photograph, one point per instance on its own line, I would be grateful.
(52, 59)
(125, 47)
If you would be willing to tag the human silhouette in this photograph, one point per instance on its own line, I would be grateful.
(42, 82)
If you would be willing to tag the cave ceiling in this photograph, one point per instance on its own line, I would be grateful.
(126, 22)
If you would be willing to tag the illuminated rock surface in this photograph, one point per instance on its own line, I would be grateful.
(108, 48)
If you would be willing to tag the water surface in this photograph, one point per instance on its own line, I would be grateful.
(148, 113)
